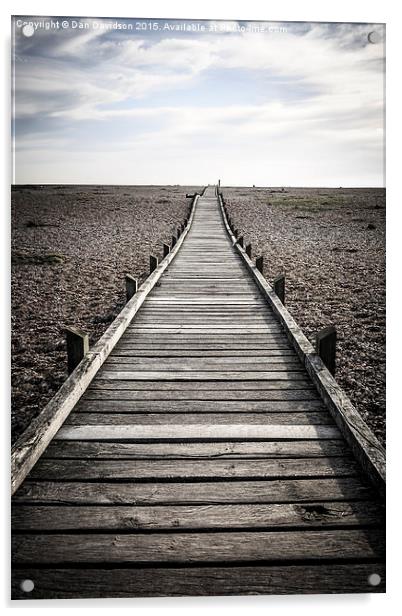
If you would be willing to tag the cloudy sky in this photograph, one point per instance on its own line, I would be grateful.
(295, 105)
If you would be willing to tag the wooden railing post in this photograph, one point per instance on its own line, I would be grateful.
(325, 344)
(178, 232)
(240, 241)
(153, 263)
(236, 233)
(77, 347)
(279, 287)
(259, 263)
(131, 286)
(248, 250)
(166, 250)
(174, 240)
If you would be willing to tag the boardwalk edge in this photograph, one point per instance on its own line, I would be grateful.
(34, 440)
(366, 447)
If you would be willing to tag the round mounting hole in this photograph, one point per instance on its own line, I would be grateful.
(374, 37)
(28, 30)
(374, 579)
(27, 585)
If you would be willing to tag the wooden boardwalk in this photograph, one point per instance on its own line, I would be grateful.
(201, 459)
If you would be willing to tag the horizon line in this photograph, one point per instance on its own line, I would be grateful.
(196, 184)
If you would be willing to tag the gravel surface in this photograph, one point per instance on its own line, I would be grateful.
(71, 248)
(330, 243)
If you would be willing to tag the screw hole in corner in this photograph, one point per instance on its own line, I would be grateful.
(27, 585)
(374, 579)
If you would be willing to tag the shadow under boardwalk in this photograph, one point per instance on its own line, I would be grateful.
(201, 459)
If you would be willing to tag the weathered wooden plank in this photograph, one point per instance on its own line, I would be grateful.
(272, 516)
(207, 362)
(122, 364)
(206, 337)
(127, 351)
(154, 470)
(169, 285)
(202, 276)
(310, 418)
(126, 393)
(152, 316)
(204, 322)
(111, 373)
(309, 545)
(194, 341)
(198, 406)
(195, 431)
(209, 310)
(190, 286)
(299, 381)
(164, 291)
(241, 298)
(229, 340)
(197, 296)
(234, 329)
(187, 581)
(192, 493)
(222, 450)
(172, 303)
(203, 363)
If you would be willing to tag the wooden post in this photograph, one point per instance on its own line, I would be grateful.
(279, 287)
(259, 263)
(325, 344)
(153, 263)
(77, 347)
(131, 286)
(166, 250)
(178, 232)
(248, 250)
(173, 241)
(236, 233)
(240, 241)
